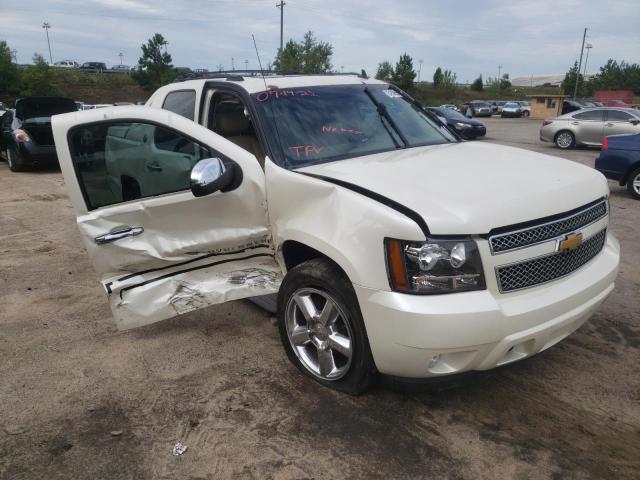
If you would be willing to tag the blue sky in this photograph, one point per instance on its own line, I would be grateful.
(468, 37)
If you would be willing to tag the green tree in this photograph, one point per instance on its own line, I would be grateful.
(617, 76)
(385, 71)
(477, 84)
(37, 79)
(505, 83)
(8, 71)
(404, 74)
(309, 56)
(154, 65)
(438, 77)
(449, 79)
(569, 82)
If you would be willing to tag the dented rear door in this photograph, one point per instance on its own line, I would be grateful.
(160, 251)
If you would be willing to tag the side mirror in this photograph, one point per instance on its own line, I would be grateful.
(634, 121)
(210, 175)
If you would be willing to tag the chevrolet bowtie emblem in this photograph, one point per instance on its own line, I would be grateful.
(570, 242)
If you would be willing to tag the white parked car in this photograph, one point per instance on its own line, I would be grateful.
(392, 247)
(67, 64)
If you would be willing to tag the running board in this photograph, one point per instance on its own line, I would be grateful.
(268, 302)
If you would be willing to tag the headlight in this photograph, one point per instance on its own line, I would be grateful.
(462, 125)
(21, 136)
(435, 266)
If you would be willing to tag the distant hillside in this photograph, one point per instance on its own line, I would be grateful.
(91, 87)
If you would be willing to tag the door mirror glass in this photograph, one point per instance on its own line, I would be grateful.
(210, 175)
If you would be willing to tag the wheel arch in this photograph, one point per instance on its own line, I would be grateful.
(294, 252)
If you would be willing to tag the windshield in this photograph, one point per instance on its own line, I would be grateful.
(480, 105)
(512, 105)
(43, 108)
(320, 124)
(451, 114)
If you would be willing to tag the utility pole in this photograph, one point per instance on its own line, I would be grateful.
(499, 71)
(575, 89)
(233, 65)
(46, 27)
(588, 47)
(246, 65)
(14, 55)
(420, 69)
(121, 55)
(281, 7)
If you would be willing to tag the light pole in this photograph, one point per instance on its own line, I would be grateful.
(246, 65)
(420, 69)
(233, 65)
(46, 27)
(588, 47)
(121, 55)
(575, 89)
(281, 7)
(499, 71)
(14, 55)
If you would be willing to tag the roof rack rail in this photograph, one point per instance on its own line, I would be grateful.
(239, 75)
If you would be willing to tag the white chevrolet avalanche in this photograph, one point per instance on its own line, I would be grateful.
(392, 246)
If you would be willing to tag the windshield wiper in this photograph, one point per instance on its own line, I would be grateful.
(384, 113)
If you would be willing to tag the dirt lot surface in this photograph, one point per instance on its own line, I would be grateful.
(79, 400)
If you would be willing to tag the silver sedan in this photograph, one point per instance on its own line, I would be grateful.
(589, 126)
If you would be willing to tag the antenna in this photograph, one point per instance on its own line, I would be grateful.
(259, 62)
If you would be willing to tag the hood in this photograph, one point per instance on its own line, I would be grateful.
(471, 188)
(468, 121)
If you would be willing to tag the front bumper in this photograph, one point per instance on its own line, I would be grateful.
(419, 336)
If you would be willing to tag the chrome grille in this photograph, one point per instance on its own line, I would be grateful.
(504, 242)
(549, 267)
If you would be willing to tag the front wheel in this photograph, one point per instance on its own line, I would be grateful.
(321, 327)
(525, 113)
(633, 184)
(565, 140)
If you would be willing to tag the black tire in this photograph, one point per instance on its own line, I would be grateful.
(562, 143)
(11, 160)
(635, 176)
(525, 113)
(322, 275)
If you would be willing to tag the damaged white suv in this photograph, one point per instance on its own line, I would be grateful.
(393, 247)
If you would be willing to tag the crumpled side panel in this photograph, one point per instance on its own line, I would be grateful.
(183, 293)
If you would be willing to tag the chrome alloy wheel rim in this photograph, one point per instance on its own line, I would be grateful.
(564, 140)
(636, 184)
(319, 333)
(9, 158)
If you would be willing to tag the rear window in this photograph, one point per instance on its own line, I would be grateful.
(182, 102)
(43, 107)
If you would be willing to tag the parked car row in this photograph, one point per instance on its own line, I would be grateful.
(488, 108)
(92, 66)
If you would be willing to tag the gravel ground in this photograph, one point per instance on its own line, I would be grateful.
(81, 400)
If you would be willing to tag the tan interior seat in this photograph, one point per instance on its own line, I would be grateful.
(236, 127)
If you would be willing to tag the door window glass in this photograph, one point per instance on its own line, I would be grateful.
(181, 102)
(618, 116)
(589, 115)
(121, 161)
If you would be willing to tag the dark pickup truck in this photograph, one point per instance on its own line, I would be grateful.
(26, 138)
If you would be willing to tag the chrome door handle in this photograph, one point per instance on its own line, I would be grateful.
(575, 123)
(117, 233)
(609, 124)
(154, 167)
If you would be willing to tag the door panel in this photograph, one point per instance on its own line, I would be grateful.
(618, 123)
(172, 252)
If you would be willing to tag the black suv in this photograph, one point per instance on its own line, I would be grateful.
(95, 66)
(26, 138)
